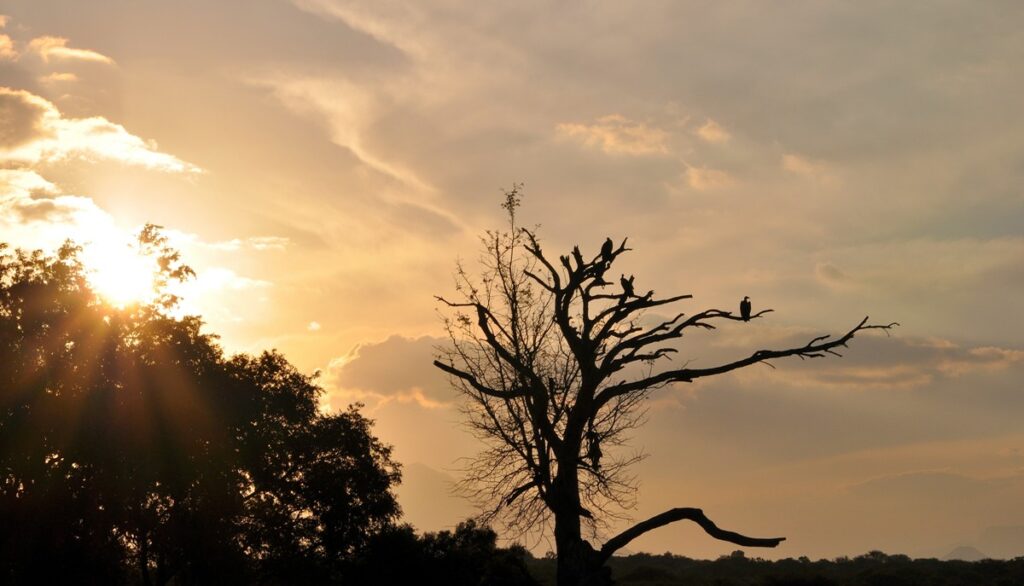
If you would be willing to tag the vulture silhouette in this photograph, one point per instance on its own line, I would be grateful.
(606, 251)
(745, 309)
(627, 286)
(594, 451)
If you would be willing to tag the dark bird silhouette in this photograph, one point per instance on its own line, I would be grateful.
(606, 251)
(627, 286)
(745, 308)
(594, 450)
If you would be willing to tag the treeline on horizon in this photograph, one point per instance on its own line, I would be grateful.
(871, 569)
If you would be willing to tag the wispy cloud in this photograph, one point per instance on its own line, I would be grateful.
(830, 275)
(713, 133)
(616, 134)
(350, 109)
(892, 363)
(58, 77)
(704, 179)
(805, 167)
(252, 243)
(56, 48)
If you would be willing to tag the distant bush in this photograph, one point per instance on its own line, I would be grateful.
(467, 556)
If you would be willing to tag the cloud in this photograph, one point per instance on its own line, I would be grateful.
(57, 48)
(713, 133)
(27, 197)
(258, 243)
(7, 51)
(616, 134)
(876, 361)
(22, 119)
(704, 179)
(884, 391)
(351, 109)
(805, 167)
(33, 131)
(220, 278)
(397, 368)
(223, 294)
(192, 242)
(22, 183)
(981, 358)
(314, 326)
(36, 214)
(414, 218)
(829, 274)
(58, 77)
(394, 25)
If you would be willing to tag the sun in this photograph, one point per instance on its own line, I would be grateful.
(118, 272)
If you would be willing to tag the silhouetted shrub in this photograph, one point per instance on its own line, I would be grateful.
(467, 556)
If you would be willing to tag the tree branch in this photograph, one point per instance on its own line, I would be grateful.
(534, 249)
(518, 492)
(473, 382)
(816, 348)
(684, 514)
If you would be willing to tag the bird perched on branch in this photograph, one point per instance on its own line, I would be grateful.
(594, 450)
(745, 308)
(627, 287)
(606, 251)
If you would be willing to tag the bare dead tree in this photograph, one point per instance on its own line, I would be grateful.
(556, 365)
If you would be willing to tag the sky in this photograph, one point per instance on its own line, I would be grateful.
(323, 164)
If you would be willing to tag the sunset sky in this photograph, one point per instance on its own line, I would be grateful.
(323, 164)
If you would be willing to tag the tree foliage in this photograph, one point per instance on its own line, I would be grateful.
(466, 556)
(133, 450)
(556, 359)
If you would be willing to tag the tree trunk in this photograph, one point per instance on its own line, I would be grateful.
(578, 563)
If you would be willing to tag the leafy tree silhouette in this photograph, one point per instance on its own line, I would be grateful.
(555, 362)
(132, 450)
(466, 556)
